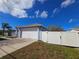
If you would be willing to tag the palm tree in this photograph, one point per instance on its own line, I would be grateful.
(9, 30)
(4, 26)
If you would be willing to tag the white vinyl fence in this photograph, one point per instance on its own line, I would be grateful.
(61, 38)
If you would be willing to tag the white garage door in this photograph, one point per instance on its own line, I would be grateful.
(30, 34)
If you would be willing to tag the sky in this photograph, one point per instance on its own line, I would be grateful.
(63, 13)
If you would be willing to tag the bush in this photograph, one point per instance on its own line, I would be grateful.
(1, 32)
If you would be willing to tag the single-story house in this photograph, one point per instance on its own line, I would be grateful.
(8, 33)
(30, 31)
(74, 30)
(39, 32)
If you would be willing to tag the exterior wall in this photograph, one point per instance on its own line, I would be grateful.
(21, 32)
(14, 34)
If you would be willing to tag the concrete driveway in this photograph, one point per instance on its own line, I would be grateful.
(9, 46)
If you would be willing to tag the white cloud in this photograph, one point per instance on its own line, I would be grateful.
(66, 3)
(31, 16)
(42, 1)
(16, 7)
(44, 14)
(70, 20)
(19, 13)
(37, 13)
(55, 10)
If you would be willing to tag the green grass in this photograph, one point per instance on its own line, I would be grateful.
(41, 50)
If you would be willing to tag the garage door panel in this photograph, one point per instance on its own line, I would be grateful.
(30, 34)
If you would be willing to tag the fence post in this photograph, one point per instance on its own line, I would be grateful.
(38, 30)
(47, 37)
(60, 38)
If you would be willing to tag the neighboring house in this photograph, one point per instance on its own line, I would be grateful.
(75, 30)
(30, 31)
(13, 33)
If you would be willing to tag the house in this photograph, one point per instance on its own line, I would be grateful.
(39, 32)
(8, 33)
(75, 29)
(30, 31)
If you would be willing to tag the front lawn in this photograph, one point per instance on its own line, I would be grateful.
(41, 50)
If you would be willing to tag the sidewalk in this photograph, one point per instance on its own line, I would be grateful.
(10, 46)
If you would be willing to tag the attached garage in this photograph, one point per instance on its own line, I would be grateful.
(30, 34)
(31, 31)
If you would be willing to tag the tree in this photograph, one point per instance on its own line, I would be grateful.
(4, 26)
(9, 30)
(55, 28)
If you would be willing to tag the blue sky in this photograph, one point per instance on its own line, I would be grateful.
(63, 13)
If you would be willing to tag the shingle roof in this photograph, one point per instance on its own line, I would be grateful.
(30, 26)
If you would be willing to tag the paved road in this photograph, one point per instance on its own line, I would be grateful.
(9, 46)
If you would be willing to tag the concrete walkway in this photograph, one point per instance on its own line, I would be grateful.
(9, 46)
